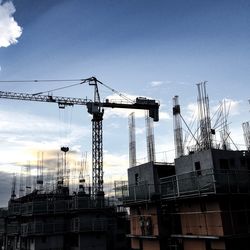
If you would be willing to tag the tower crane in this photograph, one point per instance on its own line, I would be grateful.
(95, 107)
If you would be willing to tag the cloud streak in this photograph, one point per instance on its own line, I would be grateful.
(156, 83)
(10, 31)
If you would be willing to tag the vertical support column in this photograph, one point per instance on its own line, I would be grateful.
(150, 137)
(224, 132)
(178, 134)
(204, 117)
(132, 141)
(97, 154)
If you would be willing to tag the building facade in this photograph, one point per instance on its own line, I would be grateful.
(61, 221)
(204, 205)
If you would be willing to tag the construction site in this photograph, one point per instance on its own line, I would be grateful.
(201, 201)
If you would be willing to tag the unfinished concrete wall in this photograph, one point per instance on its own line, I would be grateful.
(186, 163)
(201, 218)
(141, 173)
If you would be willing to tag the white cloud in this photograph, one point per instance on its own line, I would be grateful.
(233, 106)
(164, 116)
(140, 131)
(9, 28)
(115, 166)
(22, 135)
(156, 83)
(123, 113)
(190, 112)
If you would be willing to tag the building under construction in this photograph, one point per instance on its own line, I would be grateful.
(55, 218)
(199, 202)
(202, 201)
(60, 221)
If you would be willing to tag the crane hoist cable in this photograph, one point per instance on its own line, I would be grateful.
(65, 124)
(64, 87)
(116, 92)
(79, 82)
(60, 88)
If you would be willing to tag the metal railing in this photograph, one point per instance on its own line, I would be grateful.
(89, 224)
(195, 183)
(188, 184)
(54, 206)
(40, 228)
(139, 193)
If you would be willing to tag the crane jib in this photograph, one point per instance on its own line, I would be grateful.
(151, 105)
(44, 98)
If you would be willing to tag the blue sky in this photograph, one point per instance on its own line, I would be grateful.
(148, 48)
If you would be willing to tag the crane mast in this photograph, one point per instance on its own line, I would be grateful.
(97, 143)
(96, 108)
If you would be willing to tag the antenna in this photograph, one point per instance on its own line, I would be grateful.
(132, 141)
(150, 137)
(246, 133)
(178, 134)
(204, 117)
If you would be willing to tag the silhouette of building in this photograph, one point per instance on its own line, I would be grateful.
(59, 221)
(205, 204)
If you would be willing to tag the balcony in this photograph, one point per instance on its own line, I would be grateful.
(192, 184)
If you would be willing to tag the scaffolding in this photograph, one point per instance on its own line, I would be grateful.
(205, 135)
